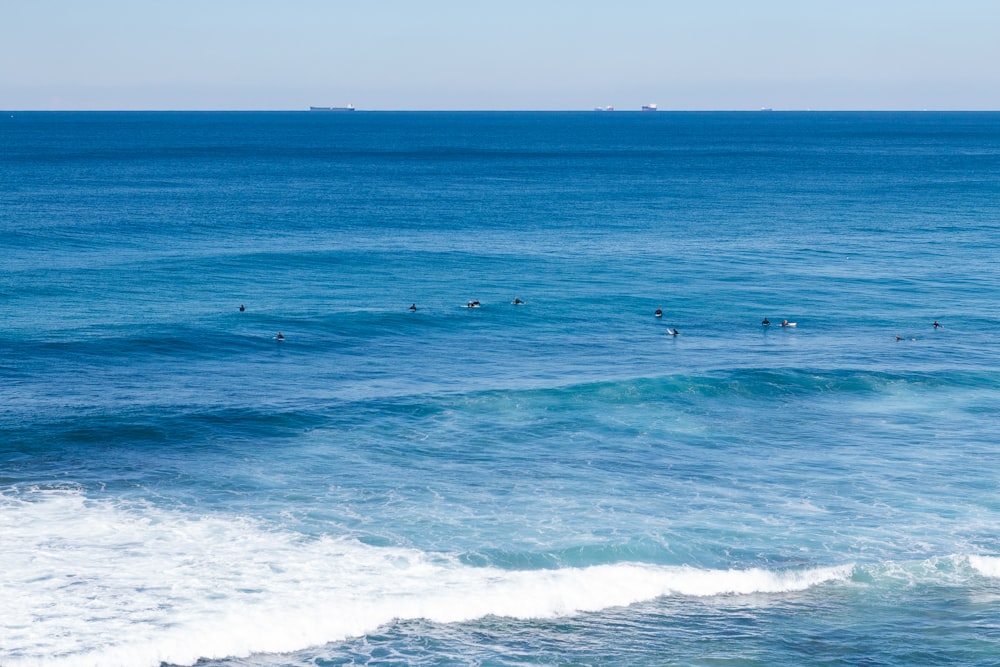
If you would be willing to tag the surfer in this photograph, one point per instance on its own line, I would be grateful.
(673, 332)
(517, 301)
(659, 312)
(242, 309)
(766, 322)
(279, 336)
(937, 325)
(413, 307)
(785, 323)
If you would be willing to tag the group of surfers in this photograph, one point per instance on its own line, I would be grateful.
(659, 313)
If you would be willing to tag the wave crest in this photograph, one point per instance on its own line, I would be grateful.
(90, 582)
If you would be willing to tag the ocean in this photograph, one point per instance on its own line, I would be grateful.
(561, 481)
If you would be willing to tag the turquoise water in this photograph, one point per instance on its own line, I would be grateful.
(558, 482)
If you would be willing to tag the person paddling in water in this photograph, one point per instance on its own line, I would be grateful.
(659, 312)
(279, 336)
(766, 322)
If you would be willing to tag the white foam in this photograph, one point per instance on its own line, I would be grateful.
(988, 566)
(89, 583)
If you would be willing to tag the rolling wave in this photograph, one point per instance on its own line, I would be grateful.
(95, 582)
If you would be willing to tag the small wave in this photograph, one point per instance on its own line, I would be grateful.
(754, 383)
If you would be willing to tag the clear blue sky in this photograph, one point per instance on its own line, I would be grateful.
(500, 54)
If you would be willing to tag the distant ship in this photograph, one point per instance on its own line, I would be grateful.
(604, 108)
(649, 107)
(349, 107)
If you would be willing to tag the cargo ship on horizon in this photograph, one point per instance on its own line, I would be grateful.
(349, 107)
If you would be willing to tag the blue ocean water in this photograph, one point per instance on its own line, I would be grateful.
(555, 483)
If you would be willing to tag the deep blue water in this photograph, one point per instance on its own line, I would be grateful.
(554, 483)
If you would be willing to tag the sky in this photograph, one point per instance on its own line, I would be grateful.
(499, 54)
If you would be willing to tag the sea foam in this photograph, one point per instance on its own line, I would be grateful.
(988, 566)
(91, 582)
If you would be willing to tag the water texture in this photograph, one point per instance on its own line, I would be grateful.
(559, 482)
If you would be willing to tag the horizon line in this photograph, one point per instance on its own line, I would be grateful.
(584, 111)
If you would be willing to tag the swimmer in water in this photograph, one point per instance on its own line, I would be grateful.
(659, 312)
(766, 322)
(242, 309)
